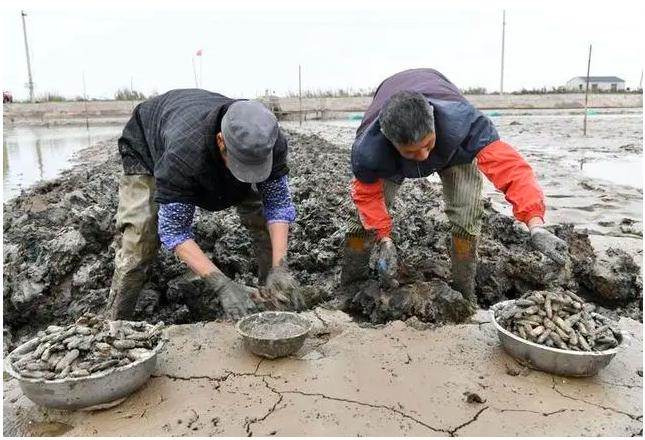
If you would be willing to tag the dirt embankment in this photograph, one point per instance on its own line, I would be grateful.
(59, 242)
(103, 112)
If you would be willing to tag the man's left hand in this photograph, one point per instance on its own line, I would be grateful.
(547, 243)
(282, 289)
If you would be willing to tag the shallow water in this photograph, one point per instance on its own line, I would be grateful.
(627, 172)
(34, 154)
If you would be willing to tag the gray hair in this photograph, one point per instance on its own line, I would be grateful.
(406, 118)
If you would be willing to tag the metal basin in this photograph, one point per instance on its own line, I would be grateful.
(99, 390)
(555, 360)
(273, 334)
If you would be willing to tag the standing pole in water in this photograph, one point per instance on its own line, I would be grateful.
(501, 80)
(31, 82)
(300, 92)
(87, 121)
(584, 127)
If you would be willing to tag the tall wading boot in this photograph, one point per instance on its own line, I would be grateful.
(356, 257)
(136, 218)
(358, 243)
(250, 212)
(463, 256)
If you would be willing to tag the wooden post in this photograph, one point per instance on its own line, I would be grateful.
(584, 127)
(501, 80)
(300, 93)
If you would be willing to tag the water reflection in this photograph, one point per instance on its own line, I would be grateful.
(32, 154)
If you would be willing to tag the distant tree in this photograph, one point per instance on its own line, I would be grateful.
(474, 91)
(50, 97)
(332, 93)
(126, 94)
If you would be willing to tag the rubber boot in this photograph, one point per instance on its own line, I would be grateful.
(250, 212)
(463, 256)
(136, 218)
(356, 257)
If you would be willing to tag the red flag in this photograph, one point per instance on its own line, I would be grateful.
(199, 53)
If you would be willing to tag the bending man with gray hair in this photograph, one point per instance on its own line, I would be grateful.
(419, 123)
(193, 148)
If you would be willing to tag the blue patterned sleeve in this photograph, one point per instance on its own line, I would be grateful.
(276, 201)
(175, 221)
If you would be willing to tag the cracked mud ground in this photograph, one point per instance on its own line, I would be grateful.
(356, 379)
(351, 378)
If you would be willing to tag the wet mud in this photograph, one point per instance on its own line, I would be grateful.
(60, 239)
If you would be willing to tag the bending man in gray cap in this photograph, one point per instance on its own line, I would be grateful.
(193, 148)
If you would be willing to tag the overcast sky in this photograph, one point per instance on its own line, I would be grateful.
(247, 51)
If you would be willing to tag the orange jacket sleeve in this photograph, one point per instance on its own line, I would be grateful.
(369, 199)
(512, 175)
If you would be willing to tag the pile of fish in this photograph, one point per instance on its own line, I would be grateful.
(559, 319)
(90, 345)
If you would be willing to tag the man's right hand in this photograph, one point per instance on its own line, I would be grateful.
(387, 263)
(235, 298)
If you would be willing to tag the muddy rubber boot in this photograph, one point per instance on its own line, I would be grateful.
(463, 256)
(136, 218)
(263, 251)
(123, 300)
(356, 257)
(250, 212)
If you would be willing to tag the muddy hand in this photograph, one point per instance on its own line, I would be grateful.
(235, 298)
(553, 247)
(387, 263)
(283, 289)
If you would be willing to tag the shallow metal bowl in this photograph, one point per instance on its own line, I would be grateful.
(555, 360)
(273, 334)
(98, 390)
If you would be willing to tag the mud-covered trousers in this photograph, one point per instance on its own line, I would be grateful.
(462, 194)
(136, 219)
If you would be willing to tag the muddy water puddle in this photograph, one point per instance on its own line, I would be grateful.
(627, 172)
(34, 154)
(47, 429)
(275, 330)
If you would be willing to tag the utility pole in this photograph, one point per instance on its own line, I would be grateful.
(31, 82)
(300, 92)
(501, 79)
(584, 129)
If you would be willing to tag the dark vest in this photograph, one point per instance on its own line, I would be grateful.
(172, 137)
(461, 130)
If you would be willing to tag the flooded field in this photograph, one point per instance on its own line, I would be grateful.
(34, 154)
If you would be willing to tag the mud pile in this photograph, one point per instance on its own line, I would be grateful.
(59, 242)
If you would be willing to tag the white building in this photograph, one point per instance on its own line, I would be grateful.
(596, 83)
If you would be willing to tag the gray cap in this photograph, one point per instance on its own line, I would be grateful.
(250, 131)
